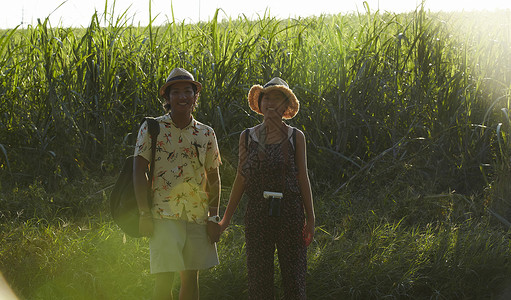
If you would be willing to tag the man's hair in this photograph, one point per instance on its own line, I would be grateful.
(167, 90)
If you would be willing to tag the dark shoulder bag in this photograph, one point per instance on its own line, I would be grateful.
(123, 203)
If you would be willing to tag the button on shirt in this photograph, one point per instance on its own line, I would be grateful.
(183, 156)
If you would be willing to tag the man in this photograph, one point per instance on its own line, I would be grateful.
(182, 220)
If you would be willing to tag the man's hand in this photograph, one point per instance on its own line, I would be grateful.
(213, 230)
(145, 225)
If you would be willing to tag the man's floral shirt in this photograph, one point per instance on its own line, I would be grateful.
(183, 157)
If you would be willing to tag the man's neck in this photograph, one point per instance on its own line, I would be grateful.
(180, 120)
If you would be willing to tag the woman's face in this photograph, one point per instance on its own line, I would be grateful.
(274, 104)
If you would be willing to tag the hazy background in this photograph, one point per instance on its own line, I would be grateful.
(77, 13)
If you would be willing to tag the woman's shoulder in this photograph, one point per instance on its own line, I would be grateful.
(294, 131)
(296, 136)
(251, 131)
(253, 128)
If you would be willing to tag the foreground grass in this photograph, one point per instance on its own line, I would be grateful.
(73, 261)
(353, 257)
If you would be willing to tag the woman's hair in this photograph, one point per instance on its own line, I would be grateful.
(166, 104)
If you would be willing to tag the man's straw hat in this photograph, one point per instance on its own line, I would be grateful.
(179, 75)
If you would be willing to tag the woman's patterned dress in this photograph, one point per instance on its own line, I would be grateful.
(273, 171)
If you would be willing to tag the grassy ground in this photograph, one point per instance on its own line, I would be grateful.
(360, 252)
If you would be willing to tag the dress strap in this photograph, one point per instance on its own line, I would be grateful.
(246, 132)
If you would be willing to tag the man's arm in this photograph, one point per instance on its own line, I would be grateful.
(140, 185)
(213, 190)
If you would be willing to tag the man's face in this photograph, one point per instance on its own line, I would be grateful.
(182, 98)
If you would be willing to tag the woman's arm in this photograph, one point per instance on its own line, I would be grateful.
(305, 187)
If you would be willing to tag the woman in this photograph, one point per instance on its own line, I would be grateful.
(272, 171)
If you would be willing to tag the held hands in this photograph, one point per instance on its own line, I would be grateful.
(223, 225)
(213, 230)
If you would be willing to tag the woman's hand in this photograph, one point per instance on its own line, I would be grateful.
(223, 225)
(308, 233)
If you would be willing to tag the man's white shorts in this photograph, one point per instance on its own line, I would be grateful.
(178, 245)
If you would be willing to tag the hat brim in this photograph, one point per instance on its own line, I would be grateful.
(169, 83)
(255, 93)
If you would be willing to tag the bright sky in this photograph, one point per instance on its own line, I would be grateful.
(78, 13)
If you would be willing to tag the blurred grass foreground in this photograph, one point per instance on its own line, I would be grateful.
(408, 130)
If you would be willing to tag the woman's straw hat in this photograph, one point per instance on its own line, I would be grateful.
(256, 92)
(179, 75)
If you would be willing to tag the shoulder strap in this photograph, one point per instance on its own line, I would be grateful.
(293, 136)
(154, 130)
(153, 125)
(247, 132)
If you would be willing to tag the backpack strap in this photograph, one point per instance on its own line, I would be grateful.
(154, 130)
(154, 127)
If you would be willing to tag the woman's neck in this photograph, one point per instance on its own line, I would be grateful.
(272, 124)
(272, 131)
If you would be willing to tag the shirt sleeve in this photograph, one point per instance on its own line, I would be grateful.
(143, 144)
(213, 159)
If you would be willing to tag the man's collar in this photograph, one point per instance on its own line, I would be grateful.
(193, 122)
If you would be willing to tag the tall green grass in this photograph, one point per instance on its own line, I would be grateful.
(419, 87)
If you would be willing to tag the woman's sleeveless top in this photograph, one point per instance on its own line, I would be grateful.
(273, 172)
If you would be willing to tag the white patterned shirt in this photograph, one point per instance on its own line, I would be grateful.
(182, 159)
